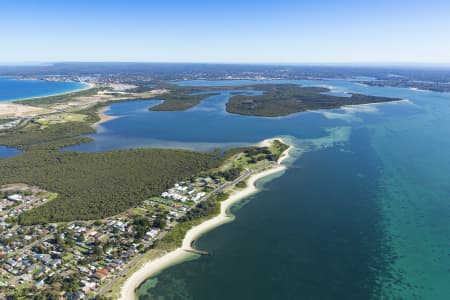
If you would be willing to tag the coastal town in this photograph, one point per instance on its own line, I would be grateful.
(85, 259)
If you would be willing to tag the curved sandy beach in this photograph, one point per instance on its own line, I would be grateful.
(103, 116)
(128, 290)
(87, 87)
(14, 108)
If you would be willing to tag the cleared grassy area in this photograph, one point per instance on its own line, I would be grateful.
(50, 195)
(277, 148)
(60, 118)
(138, 211)
(52, 100)
(50, 134)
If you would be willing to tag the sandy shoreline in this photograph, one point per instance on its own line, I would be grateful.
(128, 290)
(88, 86)
(103, 117)
(15, 109)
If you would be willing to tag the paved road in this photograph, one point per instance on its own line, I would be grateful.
(133, 262)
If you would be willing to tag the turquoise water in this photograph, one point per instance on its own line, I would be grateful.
(294, 240)
(415, 198)
(12, 89)
(362, 212)
(206, 126)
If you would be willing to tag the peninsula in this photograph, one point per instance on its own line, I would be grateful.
(241, 188)
(106, 248)
(104, 220)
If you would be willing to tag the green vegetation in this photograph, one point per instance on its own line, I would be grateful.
(233, 151)
(141, 225)
(177, 100)
(33, 134)
(259, 154)
(252, 155)
(98, 185)
(277, 100)
(241, 184)
(6, 120)
(51, 100)
(94, 185)
(277, 148)
(229, 174)
(204, 208)
(202, 211)
(285, 99)
(60, 118)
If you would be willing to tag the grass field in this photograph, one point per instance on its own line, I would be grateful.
(60, 118)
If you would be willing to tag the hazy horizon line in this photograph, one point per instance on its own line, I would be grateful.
(343, 64)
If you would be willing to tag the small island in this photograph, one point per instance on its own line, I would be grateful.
(94, 219)
(285, 99)
(277, 99)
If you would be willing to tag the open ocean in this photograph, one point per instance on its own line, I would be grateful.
(13, 89)
(362, 212)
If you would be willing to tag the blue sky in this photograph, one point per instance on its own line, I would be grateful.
(320, 31)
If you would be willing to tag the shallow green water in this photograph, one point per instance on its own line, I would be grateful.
(363, 212)
(415, 198)
(293, 239)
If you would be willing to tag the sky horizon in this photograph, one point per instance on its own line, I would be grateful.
(259, 32)
(401, 65)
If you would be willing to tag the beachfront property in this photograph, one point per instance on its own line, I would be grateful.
(90, 253)
(87, 256)
(184, 192)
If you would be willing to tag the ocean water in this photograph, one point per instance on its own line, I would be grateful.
(293, 240)
(363, 211)
(13, 89)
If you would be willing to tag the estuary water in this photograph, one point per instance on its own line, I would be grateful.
(8, 151)
(13, 89)
(362, 212)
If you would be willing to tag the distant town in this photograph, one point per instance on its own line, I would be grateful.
(433, 79)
